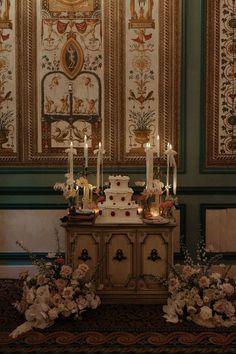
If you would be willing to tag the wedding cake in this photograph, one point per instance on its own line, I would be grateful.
(118, 206)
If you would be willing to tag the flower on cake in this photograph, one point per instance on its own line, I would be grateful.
(199, 293)
(55, 291)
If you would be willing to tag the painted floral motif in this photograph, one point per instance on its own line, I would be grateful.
(142, 104)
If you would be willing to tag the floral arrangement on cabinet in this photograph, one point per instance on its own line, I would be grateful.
(79, 193)
(200, 293)
(55, 291)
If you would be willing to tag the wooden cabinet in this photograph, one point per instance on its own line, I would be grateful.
(127, 252)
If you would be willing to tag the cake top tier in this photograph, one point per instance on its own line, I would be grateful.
(119, 177)
(119, 183)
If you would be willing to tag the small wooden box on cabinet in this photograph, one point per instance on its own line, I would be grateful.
(127, 251)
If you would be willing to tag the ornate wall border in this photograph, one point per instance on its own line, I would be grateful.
(214, 154)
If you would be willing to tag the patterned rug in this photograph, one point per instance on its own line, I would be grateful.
(110, 329)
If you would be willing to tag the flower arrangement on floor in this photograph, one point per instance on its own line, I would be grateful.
(199, 293)
(55, 291)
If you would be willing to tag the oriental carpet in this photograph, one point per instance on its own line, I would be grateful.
(110, 329)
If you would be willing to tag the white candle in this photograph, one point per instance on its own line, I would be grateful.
(158, 146)
(71, 152)
(85, 152)
(149, 166)
(71, 159)
(168, 170)
(174, 167)
(171, 163)
(99, 164)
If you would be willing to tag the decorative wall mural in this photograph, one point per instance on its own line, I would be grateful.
(71, 5)
(142, 75)
(221, 81)
(70, 85)
(8, 124)
(152, 105)
(89, 68)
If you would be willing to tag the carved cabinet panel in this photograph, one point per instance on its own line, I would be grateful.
(155, 253)
(83, 247)
(129, 254)
(120, 259)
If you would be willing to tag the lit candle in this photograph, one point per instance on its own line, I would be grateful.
(99, 164)
(71, 159)
(168, 169)
(85, 152)
(171, 163)
(174, 167)
(99, 153)
(71, 152)
(149, 166)
(158, 146)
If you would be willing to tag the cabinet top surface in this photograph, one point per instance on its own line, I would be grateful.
(117, 225)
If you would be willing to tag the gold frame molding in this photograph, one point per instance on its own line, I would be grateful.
(215, 156)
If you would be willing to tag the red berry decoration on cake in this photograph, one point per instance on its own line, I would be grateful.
(118, 204)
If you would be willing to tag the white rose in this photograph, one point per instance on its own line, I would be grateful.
(53, 314)
(205, 312)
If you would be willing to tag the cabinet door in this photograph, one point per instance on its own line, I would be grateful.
(120, 260)
(154, 256)
(85, 248)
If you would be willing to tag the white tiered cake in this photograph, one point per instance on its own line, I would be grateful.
(119, 206)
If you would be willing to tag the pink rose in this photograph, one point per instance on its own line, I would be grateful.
(60, 284)
(224, 306)
(187, 271)
(228, 289)
(204, 282)
(173, 284)
(65, 271)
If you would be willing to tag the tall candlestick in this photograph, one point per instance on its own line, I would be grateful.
(85, 152)
(149, 166)
(71, 152)
(99, 164)
(71, 159)
(171, 163)
(172, 154)
(167, 170)
(99, 153)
